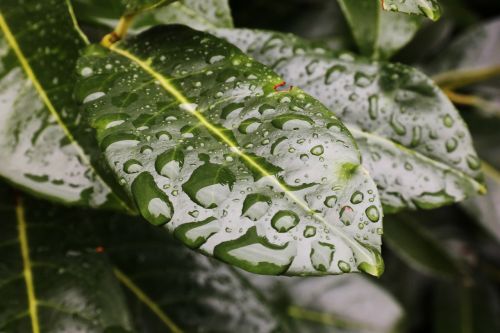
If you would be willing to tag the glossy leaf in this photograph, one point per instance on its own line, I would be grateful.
(419, 248)
(38, 115)
(429, 8)
(373, 28)
(50, 279)
(200, 15)
(207, 14)
(196, 132)
(350, 304)
(193, 293)
(412, 139)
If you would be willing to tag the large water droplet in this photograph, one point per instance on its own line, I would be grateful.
(284, 220)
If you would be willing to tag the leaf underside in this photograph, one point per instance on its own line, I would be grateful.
(268, 181)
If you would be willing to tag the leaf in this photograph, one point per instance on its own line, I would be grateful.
(373, 29)
(135, 6)
(50, 279)
(241, 142)
(419, 248)
(207, 14)
(200, 15)
(472, 62)
(413, 141)
(38, 121)
(332, 304)
(466, 308)
(429, 8)
(192, 293)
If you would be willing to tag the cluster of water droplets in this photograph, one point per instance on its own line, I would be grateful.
(413, 141)
(265, 180)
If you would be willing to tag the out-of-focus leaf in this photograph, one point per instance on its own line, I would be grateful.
(193, 293)
(136, 6)
(50, 279)
(199, 136)
(412, 139)
(350, 304)
(466, 309)
(202, 15)
(429, 8)
(486, 209)
(39, 46)
(374, 29)
(419, 248)
(473, 59)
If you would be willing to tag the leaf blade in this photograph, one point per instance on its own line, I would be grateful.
(203, 191)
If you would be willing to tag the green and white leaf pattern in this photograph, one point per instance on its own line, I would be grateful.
(412, 139)
(429, 8)
(50, 279)
(37, 112)
(266, 180)
(373, 28)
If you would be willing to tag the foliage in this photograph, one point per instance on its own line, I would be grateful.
(137, 134)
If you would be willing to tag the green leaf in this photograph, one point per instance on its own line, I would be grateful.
(332, 304)
(419, 248)
(201, 15)
(412, 139)
(50, 278)
(136, 6)
(38, 149)
(429, 8)
(193, 92)
(170, 288)
(373, 29)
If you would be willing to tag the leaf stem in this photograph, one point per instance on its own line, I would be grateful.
(471, 100)
(323, 318)
(119, 32)
(462, 78)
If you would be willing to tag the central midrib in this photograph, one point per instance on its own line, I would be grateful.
(165, 83)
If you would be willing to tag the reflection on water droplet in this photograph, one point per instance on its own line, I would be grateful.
(317, 150)
(334, 73)
(255, 206)
(132, 166)
(372, 213)
(284, 220)
(322, 255)
(347, 215)
(309, 231)
(344, 267)
(330, 201)
(357, 197)
(153, 203)
(451, 145)
(448, 121)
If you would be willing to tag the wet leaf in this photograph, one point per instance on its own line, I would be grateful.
(332, 304)
(269, 181)
(201, 15)
(429, 8)
(194, 293)
(373, 28)
(38, 120)
(412, 139)
(51, 279)
(419, 248)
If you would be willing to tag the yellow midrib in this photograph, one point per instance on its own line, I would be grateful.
(43, 95)
(27, 271)
(170, 88)
(127, 282)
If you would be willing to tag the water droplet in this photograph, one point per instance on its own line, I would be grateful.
(309, 231)
(344, 267)
(357, 197)
(451, 145)
(317, 150)
(132, 166)
(347, 215)
(330, 201)
(322, 255)
(372, 213)
(448, 121)
(284, 220)
(153, 203)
